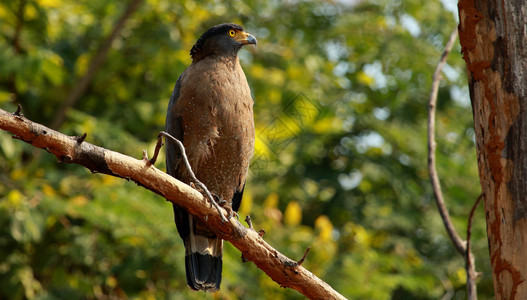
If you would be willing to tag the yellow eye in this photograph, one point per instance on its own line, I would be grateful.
(232, 33)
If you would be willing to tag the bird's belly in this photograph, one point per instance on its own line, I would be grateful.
(225, 167)
(218, 127)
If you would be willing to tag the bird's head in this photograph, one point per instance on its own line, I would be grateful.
(222, 40)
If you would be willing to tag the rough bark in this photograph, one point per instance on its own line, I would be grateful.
(284, 271)
(493, 36)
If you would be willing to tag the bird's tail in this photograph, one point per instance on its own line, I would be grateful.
(203, 257)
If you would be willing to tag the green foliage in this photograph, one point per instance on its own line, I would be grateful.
(340, 103)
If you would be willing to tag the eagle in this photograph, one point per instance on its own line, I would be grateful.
(211, 113)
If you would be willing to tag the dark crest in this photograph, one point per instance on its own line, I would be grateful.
(218, 29)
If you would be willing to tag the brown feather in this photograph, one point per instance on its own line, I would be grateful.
(210, 111)
(216, 108)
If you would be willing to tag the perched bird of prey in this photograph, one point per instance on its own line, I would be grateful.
(211, 113)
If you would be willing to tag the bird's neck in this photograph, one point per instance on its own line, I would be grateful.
(229, 60)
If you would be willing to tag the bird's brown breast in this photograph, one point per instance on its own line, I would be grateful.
(215, 105)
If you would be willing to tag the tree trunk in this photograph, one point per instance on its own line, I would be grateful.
(493, 36)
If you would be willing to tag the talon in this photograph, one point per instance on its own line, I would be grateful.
(218, 200)
(198, 188)
(232, 213)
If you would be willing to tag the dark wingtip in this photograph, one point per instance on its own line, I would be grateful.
(203, 272)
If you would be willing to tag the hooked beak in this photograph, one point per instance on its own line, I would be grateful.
(247, 38)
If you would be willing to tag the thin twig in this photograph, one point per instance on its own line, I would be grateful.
(158, 147)
(470, 217)
(461, 246)
(249, 221)
(470, 267)
(304, 256)
(81, 138)
(189, 168)
(18, 111)
(434, 178)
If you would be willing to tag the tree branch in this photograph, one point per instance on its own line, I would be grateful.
(460, 245)
(284, 271)
(94, 66)
(434, 178)
(470, 266)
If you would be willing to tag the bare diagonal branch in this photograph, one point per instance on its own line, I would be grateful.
(283, 270)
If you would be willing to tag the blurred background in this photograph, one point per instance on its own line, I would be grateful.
(341, 95)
